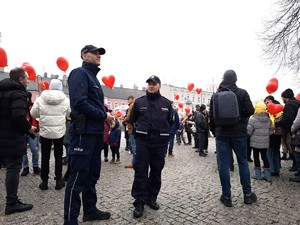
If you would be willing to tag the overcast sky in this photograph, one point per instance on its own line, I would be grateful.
(182, 42)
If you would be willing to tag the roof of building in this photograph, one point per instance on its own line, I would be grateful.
(115, 93)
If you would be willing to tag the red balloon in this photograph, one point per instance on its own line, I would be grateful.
(190, 86)
(272, 86)
(46, 84)
(176, 97)
(180, 105)
(3, 58)
(109, 81)
(297, 96)
(31, 72)
(119, 114)
(177, 109)
(187, 110)
(24, 64)
(198, 90)
(62, 63)
(274, 109)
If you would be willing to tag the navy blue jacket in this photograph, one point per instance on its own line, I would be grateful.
(115, 135)
(86, 97)
(152, 114)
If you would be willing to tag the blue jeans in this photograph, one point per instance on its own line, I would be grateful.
(133, 147)
(274, 160)
(224, 146)
(34, 147)
(297, 157)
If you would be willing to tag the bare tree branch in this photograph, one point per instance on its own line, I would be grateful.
(280, 37)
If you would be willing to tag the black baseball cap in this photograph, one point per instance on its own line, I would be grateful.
(154, 79)
(92, 48)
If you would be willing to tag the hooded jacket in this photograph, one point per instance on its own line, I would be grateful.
(259, 130)
(246, 110)
(13, 122)
(52, 108)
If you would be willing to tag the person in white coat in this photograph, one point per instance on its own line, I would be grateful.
(51, 107)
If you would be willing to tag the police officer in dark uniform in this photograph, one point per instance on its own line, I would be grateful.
(152, 115)
(86, 132)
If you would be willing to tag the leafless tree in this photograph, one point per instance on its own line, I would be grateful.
(280, 37)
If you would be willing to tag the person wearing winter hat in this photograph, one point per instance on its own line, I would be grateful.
(289, 114)
(56, 84)
(259, 126)
(233, 138)
(52, 108)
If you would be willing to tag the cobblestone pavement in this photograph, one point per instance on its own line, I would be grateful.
(189, 195)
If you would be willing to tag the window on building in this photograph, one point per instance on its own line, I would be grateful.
(203, 100)
(198, 99)
(116, 105)
(109, 105)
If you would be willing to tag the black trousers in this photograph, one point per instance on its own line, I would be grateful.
(13, 167)
(46, 151)
(263, 154)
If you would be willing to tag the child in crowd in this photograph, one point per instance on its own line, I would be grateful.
(259, 130)
(114, 141)
(180, 132)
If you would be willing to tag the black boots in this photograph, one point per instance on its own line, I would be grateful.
(25, 172)
(59, 184)
(44, 185)
(17, 207)
(138, 210)
(98, 215)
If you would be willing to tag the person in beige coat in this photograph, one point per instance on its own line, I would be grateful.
(51, 108)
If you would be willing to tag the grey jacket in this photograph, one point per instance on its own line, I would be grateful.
(296, 127)
(259, 130)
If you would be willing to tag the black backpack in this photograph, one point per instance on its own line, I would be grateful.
(226, 110)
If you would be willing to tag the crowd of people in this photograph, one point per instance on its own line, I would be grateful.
(84, 125)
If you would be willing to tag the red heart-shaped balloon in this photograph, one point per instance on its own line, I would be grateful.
(180, 105)
(297, 96)
(187, 110)
(176, 109)
(274, 108)
(3, 58)
(272, 86)
(190, 86)
(176, 97)
(109, 81)
(31, 72)
(198, 90)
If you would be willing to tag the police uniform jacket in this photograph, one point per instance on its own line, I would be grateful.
(152, 114)
(87, 98)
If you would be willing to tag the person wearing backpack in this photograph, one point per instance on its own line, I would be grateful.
(232, 136)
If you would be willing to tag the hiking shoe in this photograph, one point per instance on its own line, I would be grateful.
(171, 155)
(25, 172)
(36, 170)
(152, 204)
(117, 161)
(128, 166)
(138, 210)
(98, 215)
(250, 198)
(44, 185)
(112, 161)
(226, 201)
(202, 154)
(17, 207)
(59, 184)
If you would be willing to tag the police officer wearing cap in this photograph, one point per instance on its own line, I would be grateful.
(86, 131)
(152, 115)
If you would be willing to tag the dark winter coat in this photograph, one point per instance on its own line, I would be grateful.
(115, 135)
(87, 98)
(246, 110)
(13, 121)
